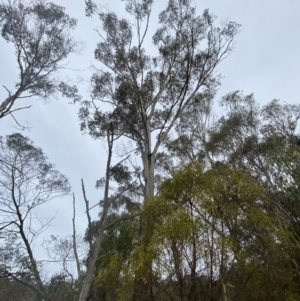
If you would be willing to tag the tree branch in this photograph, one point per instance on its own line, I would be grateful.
(121, 219)
(74, 240)
(87, 213)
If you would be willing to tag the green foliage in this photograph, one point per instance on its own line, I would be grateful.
(112, 280)
(145, 89)
(147, 92)
(213, 229)
(224, 224)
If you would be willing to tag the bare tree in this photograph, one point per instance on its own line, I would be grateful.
(27, 181)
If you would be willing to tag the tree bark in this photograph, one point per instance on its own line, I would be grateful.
(89, 276)
(74, 240)
(142, 290)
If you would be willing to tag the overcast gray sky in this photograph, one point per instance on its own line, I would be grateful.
(266, 62)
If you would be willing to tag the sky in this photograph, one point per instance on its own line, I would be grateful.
(266, 62)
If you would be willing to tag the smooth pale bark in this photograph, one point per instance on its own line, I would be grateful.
(74, 240)
(89, 276)
(142, 290)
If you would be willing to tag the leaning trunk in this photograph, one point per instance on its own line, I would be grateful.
(89, 276)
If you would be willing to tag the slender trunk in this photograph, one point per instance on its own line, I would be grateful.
(177, 262)
(211, 267)
(193, 288)
(89, 276)
(74, 240)
(142, 290)
(33, 265)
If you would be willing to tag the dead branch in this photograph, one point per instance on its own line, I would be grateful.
(74, 240)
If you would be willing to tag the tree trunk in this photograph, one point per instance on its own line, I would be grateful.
(142, 290)
(89, 276)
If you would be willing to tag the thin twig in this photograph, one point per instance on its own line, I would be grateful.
(22, 127)
(122, 219)
(8, 274)
(9, 93)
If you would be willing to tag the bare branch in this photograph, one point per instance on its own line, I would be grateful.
(87, 213)
(22, 127)
(9, 93)
(74, 240)
(125, 218)
(6, 274)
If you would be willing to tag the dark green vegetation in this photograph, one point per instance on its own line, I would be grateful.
(197, 209)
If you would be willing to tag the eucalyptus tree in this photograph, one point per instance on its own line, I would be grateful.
(40, 32)
(27, 181)
(147, 92)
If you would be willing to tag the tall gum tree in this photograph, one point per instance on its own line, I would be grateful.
(147, 93)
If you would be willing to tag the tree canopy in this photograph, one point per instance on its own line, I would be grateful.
(40, 32)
